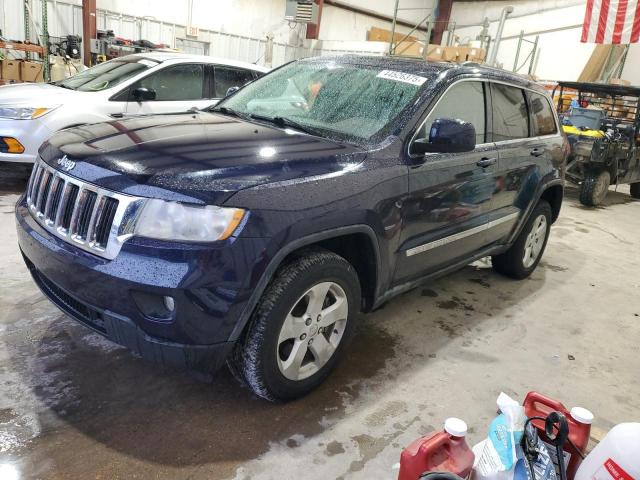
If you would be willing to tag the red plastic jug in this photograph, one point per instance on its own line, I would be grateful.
(445, 451)
(579, 419)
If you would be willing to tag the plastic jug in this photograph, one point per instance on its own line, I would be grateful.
(445, 451)
(579, 419)
(616, 457)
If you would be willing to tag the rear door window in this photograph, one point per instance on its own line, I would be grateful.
(177, 82)
(463, 101)
(543, 121)
(510, 113)
(227, 77)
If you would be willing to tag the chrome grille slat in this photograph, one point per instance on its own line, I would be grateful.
(48, 205)
(46, 190)
(40, 192)
(95, 216)
(85, 215)
(52, 211)
(32, 180)
(103, 229)
(90, 217)
(69, 207)
(36, 181)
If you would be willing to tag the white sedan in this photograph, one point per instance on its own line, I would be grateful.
(139, 84)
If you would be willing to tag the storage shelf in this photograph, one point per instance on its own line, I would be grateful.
(23, 47)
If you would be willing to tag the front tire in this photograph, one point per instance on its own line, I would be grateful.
(524, 255)
(634, 189)
(594, 188)
(300, 328)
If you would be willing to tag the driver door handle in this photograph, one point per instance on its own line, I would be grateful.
(486, 162)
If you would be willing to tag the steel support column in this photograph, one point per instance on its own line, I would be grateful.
(89, 28)
(313, 29)
(442, 20)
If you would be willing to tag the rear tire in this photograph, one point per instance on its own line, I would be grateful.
(634, 189)
(524, 255)
(300, 328)
(594, 188)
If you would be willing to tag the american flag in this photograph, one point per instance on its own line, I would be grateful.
(611, 21)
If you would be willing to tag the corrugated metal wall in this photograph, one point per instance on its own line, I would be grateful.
(65, 17)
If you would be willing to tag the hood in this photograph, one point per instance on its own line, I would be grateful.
(201, 156)
(34, 94)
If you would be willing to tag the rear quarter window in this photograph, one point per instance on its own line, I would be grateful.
(510, 113)
(543, 120)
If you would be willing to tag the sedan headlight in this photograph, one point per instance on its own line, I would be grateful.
(178, 221)
(13, 112)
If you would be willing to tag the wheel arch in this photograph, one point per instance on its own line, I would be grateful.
(342, 241)
(554, 195)
(552, 192)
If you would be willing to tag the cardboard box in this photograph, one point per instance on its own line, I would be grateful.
(455, 54)
(476, 54)
(410, 49)
(418, 49)
(463, 54)
(32, 71)
(376, 34)
(434, 52)
(449, 54)
(11, 70)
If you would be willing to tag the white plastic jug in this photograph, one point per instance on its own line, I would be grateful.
(616, 457)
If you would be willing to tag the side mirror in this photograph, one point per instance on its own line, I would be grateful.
(447, 136)
(231, 91)
(142, 94)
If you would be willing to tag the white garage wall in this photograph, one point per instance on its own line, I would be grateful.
(558, 22)
(631, 70)
(237, 29)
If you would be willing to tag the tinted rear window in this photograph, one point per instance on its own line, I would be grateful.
(542, 117)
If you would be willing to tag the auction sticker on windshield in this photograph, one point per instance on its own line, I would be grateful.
(402, 77)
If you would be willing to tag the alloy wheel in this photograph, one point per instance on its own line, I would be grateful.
(535, 241)
(312, 331)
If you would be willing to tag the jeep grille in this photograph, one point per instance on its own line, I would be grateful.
(83, 214)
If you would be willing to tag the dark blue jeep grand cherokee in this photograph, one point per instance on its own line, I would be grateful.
(254, 233)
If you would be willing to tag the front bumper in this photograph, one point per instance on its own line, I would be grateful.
(121, 330)
(210, 286)
(30, 133)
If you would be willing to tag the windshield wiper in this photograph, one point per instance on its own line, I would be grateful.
(283, 122)
(228, 111)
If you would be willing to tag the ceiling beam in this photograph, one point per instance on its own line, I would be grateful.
(371, 13)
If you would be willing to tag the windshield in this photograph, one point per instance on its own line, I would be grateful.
(106, 75)
(351, 102)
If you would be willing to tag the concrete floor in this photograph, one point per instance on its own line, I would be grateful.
(74, 406)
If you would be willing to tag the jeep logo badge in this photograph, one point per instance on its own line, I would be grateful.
(66, 164)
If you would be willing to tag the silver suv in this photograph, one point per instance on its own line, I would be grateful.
(132, 85)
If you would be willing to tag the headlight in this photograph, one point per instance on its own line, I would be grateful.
(24, 113)
(177, 221)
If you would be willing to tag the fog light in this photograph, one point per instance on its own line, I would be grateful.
(159, 308)
(11, 145)
(169, 303)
